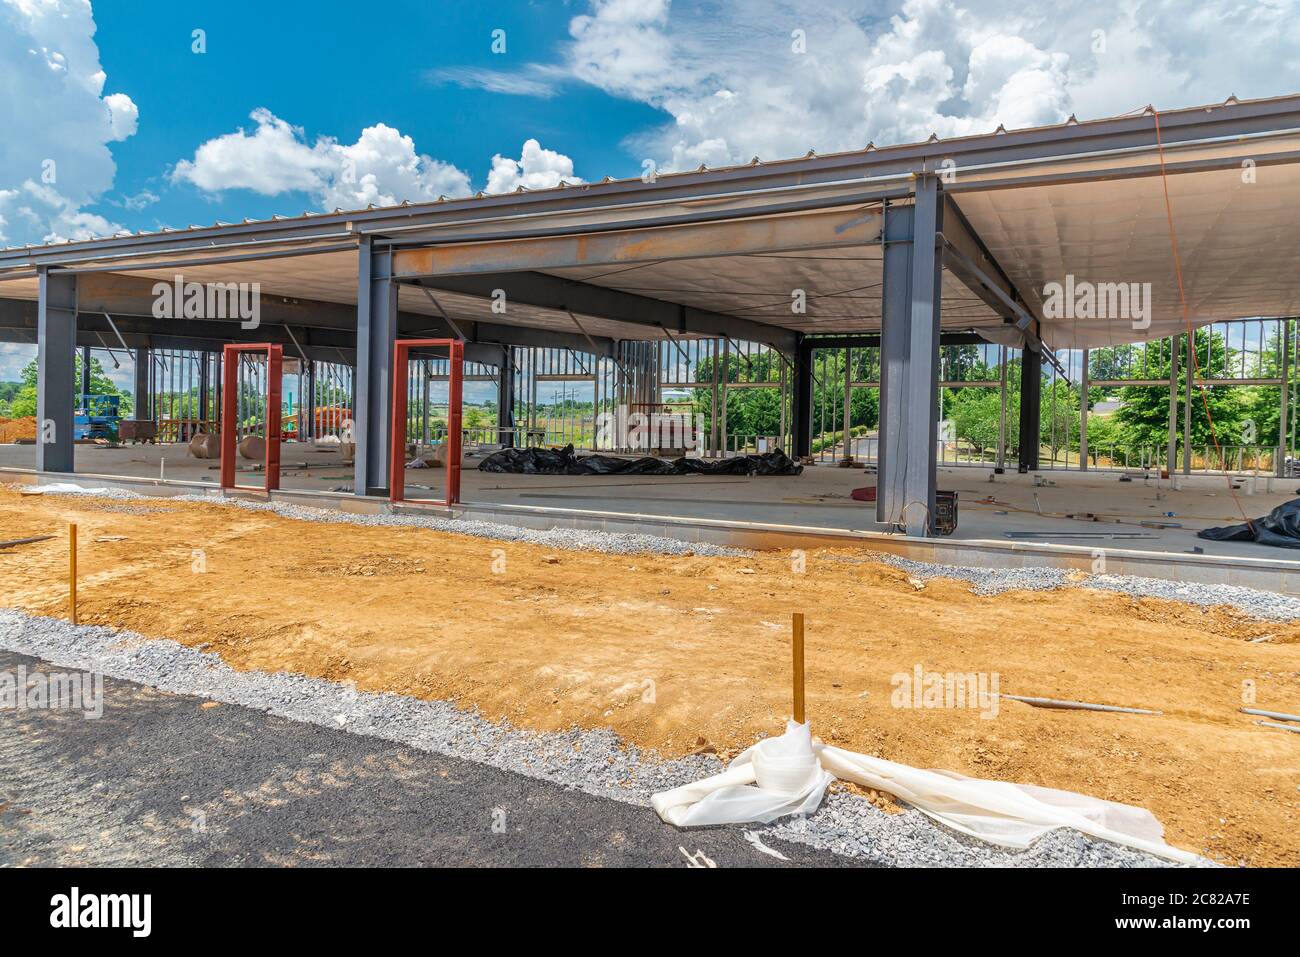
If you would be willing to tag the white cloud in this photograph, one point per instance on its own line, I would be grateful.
(272, 159)
(381, 167)
(123, 115)
(622, 47)
(41, 207)
(534, 79)
(536, 168)
(54, 157)
(141, 200)
(14, 356)
(735, 86)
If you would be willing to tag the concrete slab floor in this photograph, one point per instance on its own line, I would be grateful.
(993, 510)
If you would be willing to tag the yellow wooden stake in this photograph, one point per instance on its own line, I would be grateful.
(798, 668)
(72, 571)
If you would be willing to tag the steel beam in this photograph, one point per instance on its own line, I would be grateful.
(872, 340)
(492, 335)
(376, 335)
(55, 365)
(136, 295)
(18, 323)
(969, 260)
(820, 229)
(553, 292)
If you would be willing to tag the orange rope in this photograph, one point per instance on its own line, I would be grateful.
(1195, 370)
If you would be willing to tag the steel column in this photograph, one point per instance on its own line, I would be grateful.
(205, 363)
(895, 348)
(506, 397)
(909, 355)
(1171, 454)
(55, 364)
(141, 396)
(1083, 415)
(376, 333)
(85, 372)
(1001, 462)
(801, 402)
(1189, 373)
(1284, 339)
(1031, 396)
(310, 404)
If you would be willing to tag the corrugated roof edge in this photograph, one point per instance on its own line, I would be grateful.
(406, 207)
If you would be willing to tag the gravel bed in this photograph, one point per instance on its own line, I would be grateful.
(615, 543)
(596, 762)
(69, 488)
(1265, 605)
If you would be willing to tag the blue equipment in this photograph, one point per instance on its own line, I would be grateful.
(96, 418)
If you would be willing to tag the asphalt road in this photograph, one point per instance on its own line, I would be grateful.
(170, 780)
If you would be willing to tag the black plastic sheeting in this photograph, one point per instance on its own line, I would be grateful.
(565, 462)
(1280, 527)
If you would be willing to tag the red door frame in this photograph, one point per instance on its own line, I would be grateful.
(229, 400)
(397, 425)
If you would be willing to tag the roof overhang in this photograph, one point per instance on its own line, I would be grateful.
(1081, 202)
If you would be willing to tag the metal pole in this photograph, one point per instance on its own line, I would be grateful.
(1189, 373)
(1282, 448)
(1002, 414)
(784, 399)
(72, 571)
(85, 373)
(799, 709)
(848, 399)
(1083, 414)
(1171, 455)
(722, 389)
(424, 424)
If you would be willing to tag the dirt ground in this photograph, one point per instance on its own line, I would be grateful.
(12, 430)
(678, 653)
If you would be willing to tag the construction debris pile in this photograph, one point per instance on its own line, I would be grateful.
(565, 462)
(18, 430)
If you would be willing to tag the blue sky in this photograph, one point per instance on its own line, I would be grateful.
(297, 60)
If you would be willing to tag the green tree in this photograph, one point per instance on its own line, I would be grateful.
(1144, 410)
(24, 401)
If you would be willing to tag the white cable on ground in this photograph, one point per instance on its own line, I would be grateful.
(790, 775)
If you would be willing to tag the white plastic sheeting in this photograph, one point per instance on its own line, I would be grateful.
(790, 775)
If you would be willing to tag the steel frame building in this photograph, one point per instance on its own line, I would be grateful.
(905, 247)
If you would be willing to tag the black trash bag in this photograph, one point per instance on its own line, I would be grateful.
(532, 462)
(612, 465)
(768, 463)
(1280, 528)
(564, 462)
